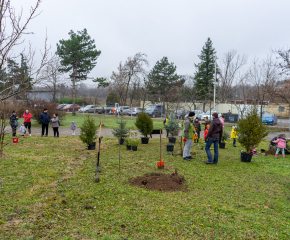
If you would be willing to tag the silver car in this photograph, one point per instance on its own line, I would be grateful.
(135, 111)
(90, 109)
(123, 109)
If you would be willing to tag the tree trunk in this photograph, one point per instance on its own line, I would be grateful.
(74, 95)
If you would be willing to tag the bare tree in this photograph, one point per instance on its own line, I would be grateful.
(13, 27)
(189, 94)
(284, 60)
(228, 72)
(119, 82)
(53, 79)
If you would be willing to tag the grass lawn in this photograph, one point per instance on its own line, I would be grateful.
(45, 184)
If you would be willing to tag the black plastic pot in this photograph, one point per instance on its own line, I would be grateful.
(222, 145)
(144, 140)
(246, 157)
(134, 148)
(122, 141)
(172, 140)
(92, 146)
(169, 148)
(128, 147)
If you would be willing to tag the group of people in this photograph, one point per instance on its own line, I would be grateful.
(213, 135)
(45, 120)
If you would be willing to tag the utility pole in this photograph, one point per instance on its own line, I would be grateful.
(214, 88)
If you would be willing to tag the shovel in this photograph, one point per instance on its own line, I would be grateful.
(98, 168)
(160, 164)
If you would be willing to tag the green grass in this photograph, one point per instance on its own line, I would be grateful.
(46, 182)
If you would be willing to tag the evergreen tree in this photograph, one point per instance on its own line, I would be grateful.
(78, 56)
(172, 126)
(163, 81)
(112, 97)
(25, 80)
(204, 75)
(13, 77)
(251, 130)
(121, 131)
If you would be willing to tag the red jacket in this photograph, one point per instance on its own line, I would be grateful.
(205, 133)
(27, 117)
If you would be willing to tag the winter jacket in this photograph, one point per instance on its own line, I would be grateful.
(13, 118)
(27, 117)
(22, 129)
(281, 142)
(222, 121)
(44, 118)
(234, 133)
(188, 129)
(165, 121)
(197, 126)
(205, 133)
(55, 122)
(73, 127)
(215, 129)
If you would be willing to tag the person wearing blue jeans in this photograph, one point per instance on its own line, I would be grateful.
(214, 136)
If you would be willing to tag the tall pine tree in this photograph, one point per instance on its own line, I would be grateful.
(163, 81)
(78, 56)
(204, 75)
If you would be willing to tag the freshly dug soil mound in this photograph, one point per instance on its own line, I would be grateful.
(270, 152)
(156, 181)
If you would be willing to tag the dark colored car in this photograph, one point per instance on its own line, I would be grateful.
(155, 111)
(69, 108)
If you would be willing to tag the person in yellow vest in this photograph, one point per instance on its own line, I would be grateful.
(165, 124)
(188, 135)
(234, 135)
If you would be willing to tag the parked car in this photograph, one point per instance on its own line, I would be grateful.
(135, 111)
(91, 109)
(198, 114)
(69, 107)
(180, 113)
(61, 106)
(209, 114)
(155, 111)
(269, 118)
(123, 109)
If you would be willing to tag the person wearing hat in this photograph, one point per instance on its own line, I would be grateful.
(45, 120)
(214, 136)
(188, 136)
(13, 123)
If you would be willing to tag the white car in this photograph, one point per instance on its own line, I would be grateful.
(198, 114)
(209, 114)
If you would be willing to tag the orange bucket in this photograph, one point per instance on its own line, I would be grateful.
(15, 140)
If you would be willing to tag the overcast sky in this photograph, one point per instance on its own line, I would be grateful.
(176, 29)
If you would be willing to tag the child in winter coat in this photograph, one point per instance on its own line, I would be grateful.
(206, 131)
(73, 128)
(22, 129)
(234, 135)
(281, 141)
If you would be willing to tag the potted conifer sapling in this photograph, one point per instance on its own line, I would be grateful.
(88, 132)
(134, 144)
(172, 128)
(251, 131)
(121, 132)
(225, 137)
(144, 125)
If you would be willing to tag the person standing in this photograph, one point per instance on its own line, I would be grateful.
(73, 128)
(45, 120)
(13, 123)
(234, 135)
(197, 128)
(55, 125)
(27, 121)
(165, 123)
(188, 136)
(281, 141)
(222, 119)
(214, 136)
(206, 122)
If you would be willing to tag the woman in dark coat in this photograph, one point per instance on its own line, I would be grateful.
(13, 123)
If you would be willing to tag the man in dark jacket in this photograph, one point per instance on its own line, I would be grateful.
(45, 120)
(214, 136)
(13, 121)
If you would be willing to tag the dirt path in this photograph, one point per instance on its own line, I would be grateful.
(106, 132)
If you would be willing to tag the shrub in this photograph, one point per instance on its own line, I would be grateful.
(134, 142)
(144, 124)
(88, 130)
(172, 126)
(121, 131)
(37, 107)
(225, 136)
(251, 130)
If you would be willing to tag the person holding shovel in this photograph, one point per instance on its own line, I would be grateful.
(188, 136)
